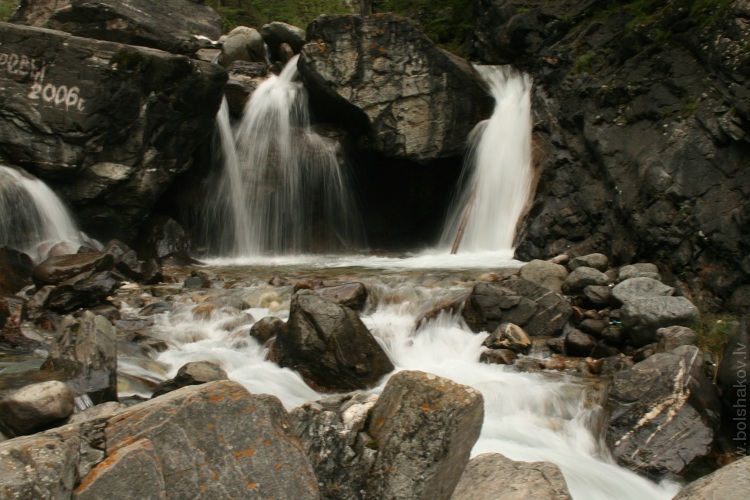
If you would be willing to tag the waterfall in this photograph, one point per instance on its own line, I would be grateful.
(497, 174)
(283, 189)
(32, 217)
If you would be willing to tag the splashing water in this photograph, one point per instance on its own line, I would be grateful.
(497, 174)
(283, 189)
(32, 217)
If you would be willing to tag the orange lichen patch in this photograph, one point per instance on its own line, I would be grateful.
(204, 487)
(390, 470)
(279, 465)
(246, 453)
(216, 398)
(238, 395)
(425, 407)
(267, 442)
(214, 475)
(252, 486)
(210, 425)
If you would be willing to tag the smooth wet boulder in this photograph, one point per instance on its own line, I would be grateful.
(329, 346)
(170, 25)
(663, 413)
(333, 434)
(193, 373)
(642, 317)
(639, 270)
(379, 76)
(86, 352)
(55, 270)
(579, 344)
(509, 336)
(424, 427)
(36, 406)
(638, 288)
(598, 261)
(266, 328)
(675, 336)
(352, 295)
(492, 476)
(83, 290)
(536, 309)
(242, 44)
(162, 236)
(218, 441)
(110, 143)
(731, 481)
(581, 277)
(545, 273)
(277, 34)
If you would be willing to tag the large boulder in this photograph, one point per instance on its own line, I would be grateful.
(55, 270)
(329, 346)
(664, 412)
(86, 353)
(638, 288)
(83, 290)
(538, 310)
(242, 44)
(545, 273)
(194, 373)
(35, 406)
(276, 34)
(170, 25)
(492, 476)
(109, 142)
(424, 427)
(642, 317)
(387, 81)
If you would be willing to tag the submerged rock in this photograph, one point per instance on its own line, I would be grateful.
(492, 476)
(194, 373)
(384, 79)
(329, 345)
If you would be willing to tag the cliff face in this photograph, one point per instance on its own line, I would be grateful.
(642, 113)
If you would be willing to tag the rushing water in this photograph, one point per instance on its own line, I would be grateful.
(497, 176)
(528, 416)
(32, 217)
(283, 189)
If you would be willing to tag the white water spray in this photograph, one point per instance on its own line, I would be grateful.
(32, 217)
(497, 174)
(283, 188)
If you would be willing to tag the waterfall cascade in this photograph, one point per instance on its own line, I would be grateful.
(32, 217)
(497, 174)
(282, 190)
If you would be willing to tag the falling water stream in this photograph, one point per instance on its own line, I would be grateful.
(32, 217)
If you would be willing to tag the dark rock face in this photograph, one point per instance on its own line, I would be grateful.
(390, 83)
(329, 345)
(15, 271)
(643, 129)
(538, 310)
(728, 482)
(352, 295)
(663, 413)
(86, 352)
(55, 270)
(106, 125)
(490, 475)
(168, 25)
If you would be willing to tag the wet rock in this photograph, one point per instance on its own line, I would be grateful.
(55, 270)
(329, 345)
(98, 412)
(193, 373)
(674, 336)
(596, 261)
(157, 308)
(15, 271)
(244, 78)
(614, 336)
(168, 25)
(108, 144)
(84, 290)
(663, 413)
(498, 356)
(539, 311)
(593, 327)
(242, 44)
(598, 295)
(37, 406)
(579, 344)
(604, 350)
(731, 481)
(86, 352)
(109, 311)
(407, 98)
(116, 475)
(277, 34)
(333, 434)
(492, 476)
(425, 427)
(545, 273)
(642, 317)
(613, 364)
(639, 270)
(240, 321)
(220, 440)
(196, 282)
(163, 236)
(509, 336)
(638, 288)
(267, 328)
(352, 295)
(644, 352)
(581, 277)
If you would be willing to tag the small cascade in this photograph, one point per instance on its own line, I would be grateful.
(32, 217)
(283, 190)
(497, 174)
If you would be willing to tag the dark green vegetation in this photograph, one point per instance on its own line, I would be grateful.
(256, 13)
(7, 8)
(714, 331)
